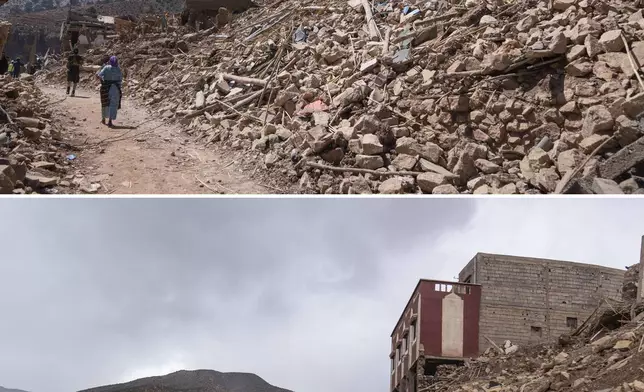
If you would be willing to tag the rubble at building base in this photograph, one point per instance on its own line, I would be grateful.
(609, 361)
(482, 97)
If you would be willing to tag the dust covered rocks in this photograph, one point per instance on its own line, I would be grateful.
(33, 157)
(411, 97)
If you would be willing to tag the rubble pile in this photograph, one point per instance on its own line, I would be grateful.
(411, 96)
(608, 361)
(629, 288)
(32, 157)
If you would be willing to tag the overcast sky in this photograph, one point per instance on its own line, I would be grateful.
(302, 292)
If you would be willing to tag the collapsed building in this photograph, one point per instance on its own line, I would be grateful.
(82, 30)
(202, 13)
(497, 298)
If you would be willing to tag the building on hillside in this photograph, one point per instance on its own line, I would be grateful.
(521, 299)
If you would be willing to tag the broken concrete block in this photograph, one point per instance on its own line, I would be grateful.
(590, 143)
(623, 160)
(576, 52)
(597, 119)
(593, 47)
(371, 162)
(445, 189)
(368, 66)
(395, 185)
(603, 186)
(611, 41)
(428, 181)
(371, 144)
(569, 160)
(404, 162)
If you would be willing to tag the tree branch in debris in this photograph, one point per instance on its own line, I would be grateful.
(494, 344)
(358, 170)
(371, 23)
(244, 80)
(240, 113)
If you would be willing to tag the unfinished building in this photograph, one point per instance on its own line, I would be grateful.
(498, 297)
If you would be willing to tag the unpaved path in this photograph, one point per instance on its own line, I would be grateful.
(154, 158)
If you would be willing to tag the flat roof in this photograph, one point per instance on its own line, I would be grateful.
(541, 259)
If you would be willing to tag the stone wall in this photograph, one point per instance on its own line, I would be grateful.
(529, 300)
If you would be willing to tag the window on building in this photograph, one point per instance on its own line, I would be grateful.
(571, 322)
(535, 331)
(406, 344)
(393, 364)
(412, 331)
(398, 356)
(441, 287)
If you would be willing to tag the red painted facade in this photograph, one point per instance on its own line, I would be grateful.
(419, 329)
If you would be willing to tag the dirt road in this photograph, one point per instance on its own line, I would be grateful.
(153, 158)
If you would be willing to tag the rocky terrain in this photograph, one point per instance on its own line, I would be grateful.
(33, 155)
(412, 97)
(194, 381)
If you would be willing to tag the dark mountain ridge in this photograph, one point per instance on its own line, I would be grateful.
(194, 381)
(2, 389)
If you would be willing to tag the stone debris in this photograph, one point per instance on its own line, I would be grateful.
(486, 97)
(33, 156)
(602, 355)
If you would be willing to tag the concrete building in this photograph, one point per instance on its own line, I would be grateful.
(528, 300)
(525, 300)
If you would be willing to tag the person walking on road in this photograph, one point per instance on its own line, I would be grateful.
(74, 62)
(111, 78)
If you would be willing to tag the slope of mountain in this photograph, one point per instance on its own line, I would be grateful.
(2, 389)
(194, 381)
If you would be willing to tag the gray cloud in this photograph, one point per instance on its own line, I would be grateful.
(94, 290)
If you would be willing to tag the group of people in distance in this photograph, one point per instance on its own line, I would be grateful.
(14, 67)
(110, 77)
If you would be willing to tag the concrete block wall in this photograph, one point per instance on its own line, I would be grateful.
(529, 300)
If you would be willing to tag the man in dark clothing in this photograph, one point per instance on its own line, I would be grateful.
(73, 71)
(17, 67)
(74, 38)
(4, 64)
